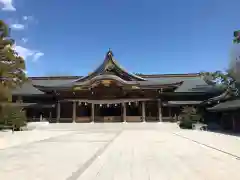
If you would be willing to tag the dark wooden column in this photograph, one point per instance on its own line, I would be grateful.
(159, 110)
(74, 112)
(143, 112)
(124, 112)
(58, 111)
(92, 112)
(233, 122)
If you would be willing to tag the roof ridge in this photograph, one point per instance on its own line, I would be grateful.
(170, 75)
(53, 77)
(142, 75)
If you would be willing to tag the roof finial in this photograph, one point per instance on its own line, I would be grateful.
(110, 52)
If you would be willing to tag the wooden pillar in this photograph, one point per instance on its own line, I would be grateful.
(58, 111)
(124, 112)
(233, 122)
(170, 111)
(92, 112)
(159, 110)
(50, 115)
(74, 112)
(143, 112)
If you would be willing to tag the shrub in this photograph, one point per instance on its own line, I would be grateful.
(188, 117)
(12, 117)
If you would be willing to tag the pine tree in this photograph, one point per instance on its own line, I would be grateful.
(12, 69)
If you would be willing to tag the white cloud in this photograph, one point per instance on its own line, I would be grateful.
(7, 5)
(28, 53)
(37, 55)
(24, 40)
(27, 18)
(24, 52)
(17, 26)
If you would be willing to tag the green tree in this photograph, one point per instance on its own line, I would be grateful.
(12, 69)
(236, 37)
(13, 117)
(138, 74)
(219, 78)
(228, 78)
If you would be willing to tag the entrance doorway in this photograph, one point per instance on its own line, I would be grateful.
(151, 111)
(108, 113)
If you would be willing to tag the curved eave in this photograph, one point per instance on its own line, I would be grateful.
(224, 96)
(51, 88)
(229, 105)
(125, 71)
(88, 83)
(166, 85)
(105, 77)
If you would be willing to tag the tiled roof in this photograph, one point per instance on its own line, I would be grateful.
(191, 83)
(27, 89)
(227, 105)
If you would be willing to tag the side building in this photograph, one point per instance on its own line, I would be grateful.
(223, 110)
(111, 94)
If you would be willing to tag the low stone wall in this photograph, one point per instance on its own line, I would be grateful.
(134, 119)
(83, 119)
(65, 120)
(151, 119)
(108, 119)
(168, 119)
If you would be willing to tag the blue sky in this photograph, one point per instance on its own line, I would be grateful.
(59, 37)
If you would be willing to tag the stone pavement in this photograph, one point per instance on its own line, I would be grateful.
(136, 151)
(9, 139)
(226, 143)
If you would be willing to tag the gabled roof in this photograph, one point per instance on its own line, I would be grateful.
(110, 69)
(110, 64)
(185, 84)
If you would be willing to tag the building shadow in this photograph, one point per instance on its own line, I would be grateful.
(225, 132)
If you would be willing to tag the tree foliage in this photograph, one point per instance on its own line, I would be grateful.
(236, 35)
(219, 77)
(189, 115)
(138, 74)
(12, 75)
(13, 117)
(12, 65)
(225, 79)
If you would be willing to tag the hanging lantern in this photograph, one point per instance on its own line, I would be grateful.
(129, 103)
(115, 104)
(85, 104)
(100, 105)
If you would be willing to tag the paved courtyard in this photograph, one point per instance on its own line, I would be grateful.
(115, 151)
